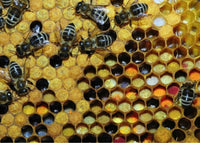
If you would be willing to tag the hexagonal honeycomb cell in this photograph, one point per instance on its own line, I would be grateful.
(126, 93)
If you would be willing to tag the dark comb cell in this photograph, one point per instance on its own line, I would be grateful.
(89, 69)
(20, 140)
(48, 118)
(138, 34)
(117, 70)
(178, 135)
(190, 112)
(152, 126)
(33, 139)
(55, 107)
(6, 139)
(55, 61)
(104, 137)
(117, 2)
(145, 68)
(184, 123)
(90, 94)
(132, 138)
(138, 57)
(69, 106)
(34, 119)
(3, 108)
(197, 122)
(90, 138)
(151, 33)
(168, 123)
(145, 45)
(124, 81)
(4, 61)
(152, 103)
(131, 46)
(36, 26)
(96, 82)
(124, 58)
(103, 94)
(27, 131)
(74, 138)
(41, 130)
(111, 128)
(47, 139)
(42, 84)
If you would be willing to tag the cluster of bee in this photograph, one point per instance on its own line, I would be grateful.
(101, 41)
(16, 8)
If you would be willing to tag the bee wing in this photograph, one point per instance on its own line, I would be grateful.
(4, 75)
(99, 15)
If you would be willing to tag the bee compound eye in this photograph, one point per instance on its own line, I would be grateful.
(117, 20)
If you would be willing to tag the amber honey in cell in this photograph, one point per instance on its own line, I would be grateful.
(138, 57)
(145, 45)
(138, 34)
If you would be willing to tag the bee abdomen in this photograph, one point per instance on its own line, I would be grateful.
(13, 17)
(104, 41)
(138, 8)
(6, 3)
(2, 22)
(39, 39)
(15, 70)
(69, 32)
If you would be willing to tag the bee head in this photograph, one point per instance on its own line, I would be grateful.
(3, 97)
(81, 46)
(79, 7)
(21, 49)
(22, 89)
(118, 20)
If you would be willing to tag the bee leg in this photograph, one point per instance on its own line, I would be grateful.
(178, 96)
(130, 23)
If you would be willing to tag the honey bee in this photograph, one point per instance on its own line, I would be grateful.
(18, 80)
(186, 94)
(136, 11)
(99, 42)
(34, 42)
(15, 12)
(6, 97)
(68, 36)
(95, 13)
(6, 3)
(2, 20)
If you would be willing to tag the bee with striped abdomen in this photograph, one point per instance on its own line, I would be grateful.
(15, 12)
(6, 97)
(136, 11)
(99, 42)
(2, 20)
(18, 80)
(6, 3)
(95, 13)
(186, 94)
(33, 43)
(68, 41)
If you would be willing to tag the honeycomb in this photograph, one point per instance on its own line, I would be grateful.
(125, 95)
